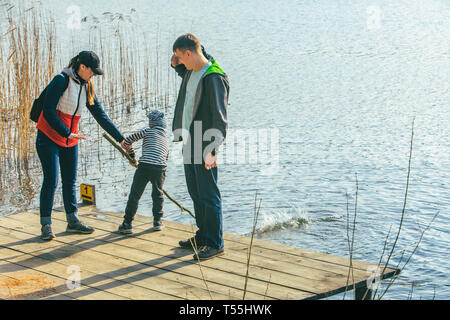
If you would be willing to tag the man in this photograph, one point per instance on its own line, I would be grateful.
(200, 117)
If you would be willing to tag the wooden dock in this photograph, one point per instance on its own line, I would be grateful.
(150, 265)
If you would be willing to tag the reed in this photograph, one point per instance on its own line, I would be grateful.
(27, 61)
(249, 255)
(392, 252)
(30, 56)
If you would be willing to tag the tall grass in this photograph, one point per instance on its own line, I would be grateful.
(133, 72)
(31, 55)
(27, 63)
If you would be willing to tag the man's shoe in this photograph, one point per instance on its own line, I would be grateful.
(190, 243)
(79, 227)
(125, 228)
(158, 225)
(47, 233)
(207, 252)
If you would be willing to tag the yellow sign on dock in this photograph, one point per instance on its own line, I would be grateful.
(87, 193)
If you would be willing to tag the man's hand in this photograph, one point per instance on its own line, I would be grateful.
(174, 61)
(210, 161)
(77, 136)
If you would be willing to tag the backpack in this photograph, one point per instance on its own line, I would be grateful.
(38, 103)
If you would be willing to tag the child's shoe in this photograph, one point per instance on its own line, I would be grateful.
(125, 228)
(158, 225)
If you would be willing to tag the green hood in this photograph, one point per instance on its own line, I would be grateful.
(214, 68)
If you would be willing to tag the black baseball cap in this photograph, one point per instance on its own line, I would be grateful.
(91, 60)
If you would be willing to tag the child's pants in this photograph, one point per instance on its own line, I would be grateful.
(146, 173)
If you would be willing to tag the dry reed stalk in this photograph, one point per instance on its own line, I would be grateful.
(20, 44)
(195, 247)
(404, 206)
(3, 97)
(255, 222)
(120, 60)
(351, 240)
(23, 68)
(391, 282)
(391, 253)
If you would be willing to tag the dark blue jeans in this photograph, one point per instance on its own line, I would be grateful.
(53, 158)
(204, 192)
(144, 174)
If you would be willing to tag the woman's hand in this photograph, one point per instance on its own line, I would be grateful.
(77, 136)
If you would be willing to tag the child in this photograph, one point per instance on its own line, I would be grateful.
(152, 167)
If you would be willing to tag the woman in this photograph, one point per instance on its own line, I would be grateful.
(58, 136)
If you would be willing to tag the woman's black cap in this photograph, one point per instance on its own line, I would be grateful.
(91, 60)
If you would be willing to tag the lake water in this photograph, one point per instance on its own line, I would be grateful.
(336, 86)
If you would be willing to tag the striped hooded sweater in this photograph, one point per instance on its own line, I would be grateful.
(155, 145)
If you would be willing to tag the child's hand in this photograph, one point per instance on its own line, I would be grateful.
(124, 146)
(134, 163)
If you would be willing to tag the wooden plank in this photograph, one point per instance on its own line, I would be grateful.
(258, 254)
(190, 267)
(45, 262)
(120, 271)
(38, 284)
(195, 268)
(27, 285)
(170, 239)
(286, 280)
(273, 250)
(276, 271)
(271, 260)
(258, 243)
(227, 292)
(276, 259)
(224, 264)
(237, 251)
(359, 277)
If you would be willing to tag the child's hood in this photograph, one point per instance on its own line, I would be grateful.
(156, 119)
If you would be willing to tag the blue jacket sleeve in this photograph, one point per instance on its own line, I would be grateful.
(54, 91)
(104, 121)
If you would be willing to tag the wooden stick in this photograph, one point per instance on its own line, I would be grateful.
(126, 155)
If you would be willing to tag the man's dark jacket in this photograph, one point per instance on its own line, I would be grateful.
(210, 108)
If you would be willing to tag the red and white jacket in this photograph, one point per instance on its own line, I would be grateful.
(69, 109)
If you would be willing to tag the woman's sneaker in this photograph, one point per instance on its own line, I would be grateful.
(125, 228)
(79, 227)
(47, 233)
